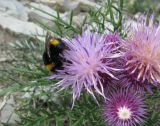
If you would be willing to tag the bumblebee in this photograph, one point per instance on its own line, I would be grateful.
(51, 56)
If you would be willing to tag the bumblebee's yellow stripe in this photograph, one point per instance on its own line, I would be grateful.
(50, 66)
(54, 42)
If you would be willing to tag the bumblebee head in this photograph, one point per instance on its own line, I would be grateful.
(54, 42)
(56, 45)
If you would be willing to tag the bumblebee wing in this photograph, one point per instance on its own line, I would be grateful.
(47, 40)
(47, 43)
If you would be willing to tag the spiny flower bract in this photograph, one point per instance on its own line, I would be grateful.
(87, 58)
(143, 52)
(124, 108)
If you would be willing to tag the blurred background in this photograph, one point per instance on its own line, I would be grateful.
(20, 22)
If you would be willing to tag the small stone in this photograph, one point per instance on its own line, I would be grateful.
(14, 8)
(3, 59)
(27, 95)
(7, 113)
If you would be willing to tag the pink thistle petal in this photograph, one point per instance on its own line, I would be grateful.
(143, 52)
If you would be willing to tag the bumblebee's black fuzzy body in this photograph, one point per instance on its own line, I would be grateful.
(51, 56)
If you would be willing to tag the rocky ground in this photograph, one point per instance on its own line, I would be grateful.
(17, 18)
(18, 21)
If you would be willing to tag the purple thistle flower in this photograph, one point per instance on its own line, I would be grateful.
(127, 80)
(143, 52)
(125, 108)
(88, 57)
(113, 37)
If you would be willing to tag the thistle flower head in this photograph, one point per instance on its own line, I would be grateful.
(143, 51)
(129, 81)
(112, 37)
(124, 108)
(87, 58)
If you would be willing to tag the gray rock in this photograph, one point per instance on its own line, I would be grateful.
(86, 5)
(19, 27)
(75, 5)
(43, 8)
(79, 5)
(71, 5)
(7, 113)
(43, 17)
(13, 8)
(79, 18)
